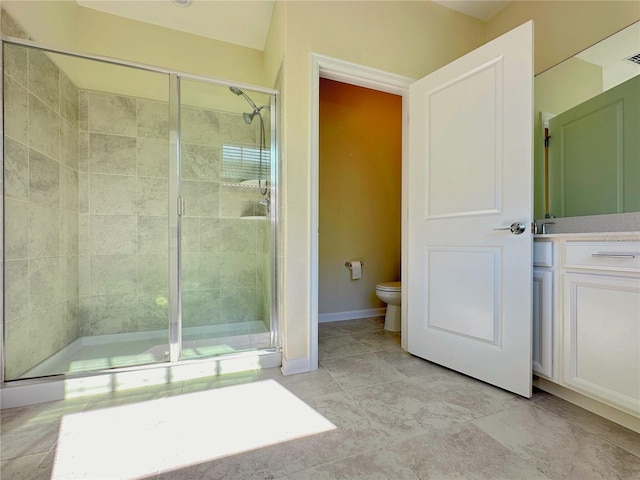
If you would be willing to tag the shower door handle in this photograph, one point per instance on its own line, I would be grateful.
(180, 206)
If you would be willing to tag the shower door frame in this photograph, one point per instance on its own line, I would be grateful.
(174, 220)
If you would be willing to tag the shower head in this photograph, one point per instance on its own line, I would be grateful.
(237, 91)
(248, 117)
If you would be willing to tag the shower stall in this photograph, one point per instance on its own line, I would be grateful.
(139, 216)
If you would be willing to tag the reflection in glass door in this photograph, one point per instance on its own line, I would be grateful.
(85, 214)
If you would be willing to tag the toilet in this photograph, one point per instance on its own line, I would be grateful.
(391, 294)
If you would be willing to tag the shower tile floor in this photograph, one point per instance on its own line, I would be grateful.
(371, 411)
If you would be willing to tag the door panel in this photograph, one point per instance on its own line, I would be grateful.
(470, 285)
(467, 104)
(470, 270)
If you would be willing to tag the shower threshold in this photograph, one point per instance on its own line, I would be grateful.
(103, 352)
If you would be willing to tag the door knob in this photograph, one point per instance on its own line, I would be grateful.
(516, 228)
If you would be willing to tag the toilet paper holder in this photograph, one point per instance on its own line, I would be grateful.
(348, 263)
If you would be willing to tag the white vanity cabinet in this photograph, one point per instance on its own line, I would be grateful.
(586, 320)
(601, 321)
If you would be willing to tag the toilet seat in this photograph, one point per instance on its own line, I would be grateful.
(389, 287)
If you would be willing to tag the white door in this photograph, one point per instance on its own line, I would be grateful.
(470, 168)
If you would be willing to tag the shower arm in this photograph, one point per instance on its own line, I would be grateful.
(248, 99)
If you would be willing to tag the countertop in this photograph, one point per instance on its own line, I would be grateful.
(599, 236)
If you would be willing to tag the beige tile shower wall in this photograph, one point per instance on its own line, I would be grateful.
(124, 166)
(123, 204)
(41, 207)
(222, 272)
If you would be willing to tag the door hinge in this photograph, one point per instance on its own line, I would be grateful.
(546, 141)
(180, 206)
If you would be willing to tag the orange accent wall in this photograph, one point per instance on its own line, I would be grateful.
(360, 194)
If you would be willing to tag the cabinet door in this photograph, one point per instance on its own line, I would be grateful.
(602, 338)
(543, 323)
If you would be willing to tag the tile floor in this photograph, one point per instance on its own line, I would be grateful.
(392, 416)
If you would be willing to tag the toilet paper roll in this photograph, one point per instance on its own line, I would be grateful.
(356, 270)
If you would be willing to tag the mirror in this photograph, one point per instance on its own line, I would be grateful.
(587, 131)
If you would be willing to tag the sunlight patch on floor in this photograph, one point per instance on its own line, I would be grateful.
(138, 440)
(165, 374)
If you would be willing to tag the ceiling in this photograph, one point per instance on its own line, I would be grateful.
(481, 9)
(616, 48)
(241, 22)
(611, 54)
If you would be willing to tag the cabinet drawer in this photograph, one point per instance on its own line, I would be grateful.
(621, 256)
(543, 253)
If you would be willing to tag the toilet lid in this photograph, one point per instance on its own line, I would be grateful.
(389, 287)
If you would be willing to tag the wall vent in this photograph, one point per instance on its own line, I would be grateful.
(634, 59)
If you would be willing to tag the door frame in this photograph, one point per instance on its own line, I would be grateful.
(361, 76)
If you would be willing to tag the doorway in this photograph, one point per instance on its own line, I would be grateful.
(360, 198)
(353, 74)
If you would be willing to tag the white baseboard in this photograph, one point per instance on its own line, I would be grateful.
(30, 394)
(594, 406)
(353, 315)
(295, 366)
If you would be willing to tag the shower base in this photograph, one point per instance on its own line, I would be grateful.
(102, 352)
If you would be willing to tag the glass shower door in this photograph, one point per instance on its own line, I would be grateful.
(225, 156)
(85, 214)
